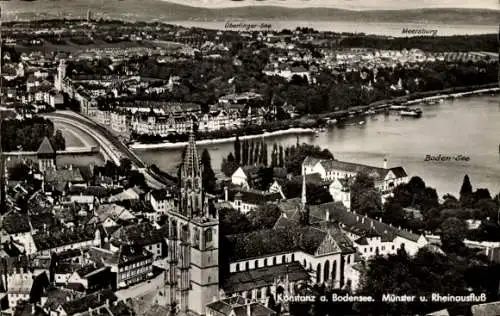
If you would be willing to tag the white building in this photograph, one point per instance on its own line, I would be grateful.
(386, 179)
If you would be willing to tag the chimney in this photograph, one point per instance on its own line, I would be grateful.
(371, 223)
(249, 309)
(327, 216)
(385, 163)
(362, 220)
(226, 194)
(107, 302)
(68, 298)
(357, 218)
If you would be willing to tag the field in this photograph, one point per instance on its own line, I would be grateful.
(135, 10)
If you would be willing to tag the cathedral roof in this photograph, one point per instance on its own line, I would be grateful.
(275, 241)
(46, 147)
(263, 277)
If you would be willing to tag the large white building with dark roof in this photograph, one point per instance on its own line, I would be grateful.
(386, 179)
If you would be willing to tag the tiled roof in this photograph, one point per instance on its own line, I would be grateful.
(66, 268)
(363, 224)
(96, 191)
(141, 234)
(114, 211)
(39, 221)
(399, 172)
(273, 241)
(161, 194)
(45, 241)
(128, 194)
(126, 255)
(90, 301)
(15, 223)
(263, 277)
(255, 197)
(310, 161)
(374, 172)
(64, 175)
(46, 147)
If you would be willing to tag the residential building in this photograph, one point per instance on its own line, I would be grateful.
(386, 179)
(130, 264)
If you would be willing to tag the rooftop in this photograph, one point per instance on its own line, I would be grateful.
(263, 277)
(46, 147)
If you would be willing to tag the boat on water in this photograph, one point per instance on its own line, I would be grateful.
(370, 112)
(398, 107)
(361, 122)
(411, 112)
(432, 102)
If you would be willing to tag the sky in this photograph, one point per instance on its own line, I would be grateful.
(350, 4)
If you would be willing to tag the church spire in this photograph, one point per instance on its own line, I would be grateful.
(304, 210)
(191, 160)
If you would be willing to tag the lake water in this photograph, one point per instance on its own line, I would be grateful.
(387, 29)
(467, 127)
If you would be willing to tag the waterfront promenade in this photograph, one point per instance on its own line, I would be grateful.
(111, 147)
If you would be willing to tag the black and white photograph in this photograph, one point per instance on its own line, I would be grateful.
(249, 158)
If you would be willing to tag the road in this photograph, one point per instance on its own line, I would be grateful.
(112, 148)
(152, 286)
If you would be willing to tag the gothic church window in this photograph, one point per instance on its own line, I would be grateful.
(208, 235)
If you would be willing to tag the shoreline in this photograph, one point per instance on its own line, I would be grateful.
(436, 96)
(141, 146)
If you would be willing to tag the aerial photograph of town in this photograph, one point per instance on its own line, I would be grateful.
(249, 157)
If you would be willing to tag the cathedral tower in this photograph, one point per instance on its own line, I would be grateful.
(193, 278)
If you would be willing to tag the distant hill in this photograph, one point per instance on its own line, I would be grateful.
(165, 11)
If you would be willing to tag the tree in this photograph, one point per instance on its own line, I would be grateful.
(466, 191)
(453, 232)
(362, 183)
(228, 165)
(233, 221)
(266, 176)
(281, 158)
(264, 217)
(125, 166)
(244, 155)
(274, 156)
(251, 151)
(256, 154)
(264, 154)
(369, 202)
(136, 178)
(59, 141)
(19, 172)
(208, 176)
(237, 150)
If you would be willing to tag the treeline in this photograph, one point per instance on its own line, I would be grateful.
(289, 158)
(27, 134)
(463, 43)
(434, 216)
